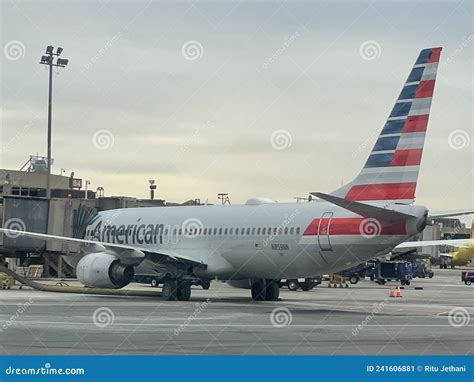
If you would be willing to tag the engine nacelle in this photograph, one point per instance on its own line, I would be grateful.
(103, 270)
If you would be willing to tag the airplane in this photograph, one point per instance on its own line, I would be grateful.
(256, 244)
(462, 254)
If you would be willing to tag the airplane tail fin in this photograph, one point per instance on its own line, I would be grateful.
(391, 172)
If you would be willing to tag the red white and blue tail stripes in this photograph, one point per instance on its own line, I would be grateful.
(391, 171)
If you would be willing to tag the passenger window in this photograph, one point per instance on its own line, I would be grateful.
(253, 231)
(292, 230)
(205, 231)
(274, 230)
(242, 231)
(286, 231)
(225, 231)
(220, 231)
(248, 231)
(180, 232)
(297, 230)
(258, 231)
(215, 231)
(264, 230)
(230, 231)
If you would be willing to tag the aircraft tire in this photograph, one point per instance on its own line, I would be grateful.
(467, 282)
(169, 290)
(184, 291)
(154, 283)
(258, 291)
(272, 291)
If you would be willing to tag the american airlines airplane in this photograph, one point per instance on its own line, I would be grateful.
(257, 244)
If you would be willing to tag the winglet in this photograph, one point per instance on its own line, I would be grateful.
(363, 209)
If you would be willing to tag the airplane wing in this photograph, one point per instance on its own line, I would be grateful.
(434, 243)
(450, 255)
(128, 254)
(446, 214)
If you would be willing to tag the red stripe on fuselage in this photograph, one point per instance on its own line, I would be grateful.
(383, 191)
(355, 226)
(410, 157)
(416, 123)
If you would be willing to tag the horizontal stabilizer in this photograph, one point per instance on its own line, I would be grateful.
(447, 214)
(363, 209)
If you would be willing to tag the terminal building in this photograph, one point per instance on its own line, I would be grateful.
(24, 206)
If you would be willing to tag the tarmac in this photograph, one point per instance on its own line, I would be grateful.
(361, 319)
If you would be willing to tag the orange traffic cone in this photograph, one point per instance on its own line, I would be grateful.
(392, 293)
(399, 292)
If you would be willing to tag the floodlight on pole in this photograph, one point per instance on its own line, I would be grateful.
(48, 59)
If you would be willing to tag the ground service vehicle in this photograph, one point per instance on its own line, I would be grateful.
(392, 270)
(467, 277)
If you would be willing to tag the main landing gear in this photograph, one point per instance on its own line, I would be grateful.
(265, 290)
(176, 290)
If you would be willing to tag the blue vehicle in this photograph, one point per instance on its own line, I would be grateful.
(392, 270)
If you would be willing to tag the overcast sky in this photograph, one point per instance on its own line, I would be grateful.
(255, 99)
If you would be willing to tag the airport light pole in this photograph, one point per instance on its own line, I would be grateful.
(152, 188)
(48, 59)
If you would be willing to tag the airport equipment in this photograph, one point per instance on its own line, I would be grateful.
(48, 59)
(6, 281)
(355, 274)
(467, 277)
(399, 292)
(337, 280)
(422, 269)
(392, 270)
(157, 279)
(305, 284)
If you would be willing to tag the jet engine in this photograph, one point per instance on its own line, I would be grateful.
(103, 270)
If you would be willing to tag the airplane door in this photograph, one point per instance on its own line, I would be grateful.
(323, 231)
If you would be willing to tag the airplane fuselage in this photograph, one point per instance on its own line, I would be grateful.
(269, 240)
